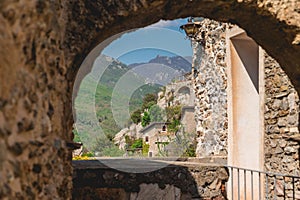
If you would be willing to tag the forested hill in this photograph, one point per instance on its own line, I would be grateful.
(110, 72)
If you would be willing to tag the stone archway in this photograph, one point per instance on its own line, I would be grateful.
(272, 27)
(44, 43)
(184, 94)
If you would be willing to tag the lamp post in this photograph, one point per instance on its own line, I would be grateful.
(191, 29)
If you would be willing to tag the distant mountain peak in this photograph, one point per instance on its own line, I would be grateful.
(179, 63)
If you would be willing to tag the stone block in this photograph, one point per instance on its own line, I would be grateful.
(294, 130)
(290, 150)
(282, 122)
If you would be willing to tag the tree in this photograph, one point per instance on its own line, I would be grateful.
(174, 125)
(173, 117)
(136, 116)
(146, 119)
(112, 151)
(76, 135)
(156, 113)
(105, 147)
(149, 100)
(173, 113)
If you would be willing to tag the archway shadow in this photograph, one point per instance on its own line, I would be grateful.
(94, 180)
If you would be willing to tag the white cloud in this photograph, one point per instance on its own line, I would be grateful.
(169, 23)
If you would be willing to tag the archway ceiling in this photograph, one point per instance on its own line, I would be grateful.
(91, 22)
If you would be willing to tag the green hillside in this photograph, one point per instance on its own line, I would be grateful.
(91, 136)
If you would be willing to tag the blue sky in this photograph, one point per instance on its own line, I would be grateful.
(162, 38)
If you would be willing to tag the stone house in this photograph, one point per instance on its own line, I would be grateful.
(177, 93)
(157, 136)
(181, 93)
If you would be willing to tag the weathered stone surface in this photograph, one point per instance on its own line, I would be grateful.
(282, 99)
(176, 181)
(211, 107)
(43, 44)
(31, 36)
(281, 104)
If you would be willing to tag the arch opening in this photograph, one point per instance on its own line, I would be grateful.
(63, 33)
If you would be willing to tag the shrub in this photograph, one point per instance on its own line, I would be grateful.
(137, 144)
(88, 154)
(145, 148)
(156, 113)
(146, 119)
(149, 100)
(136, 116)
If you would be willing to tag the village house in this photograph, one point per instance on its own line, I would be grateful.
(157, 136)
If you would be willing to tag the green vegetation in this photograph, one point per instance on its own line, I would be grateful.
(112, 151)
(134, 146)
(132, 143)
(191, 151)
(162, 148)
(136, 116)
(88, 154)
(145, 149)
(105, 147)
(156, 114)
(149, 100)
(76, 136)
(189, 143)
(183, 145)
(151, 111)
(143, 108)
(96, 139)
(146, 119)
(138, 143)
(173, 117)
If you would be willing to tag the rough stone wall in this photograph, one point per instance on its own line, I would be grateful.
(40, 57)
(92, 180)
(178, 93)
(281, 120)
(188, 119)
(281, 103)
(35, 106)
(281, 123)
(210, 83)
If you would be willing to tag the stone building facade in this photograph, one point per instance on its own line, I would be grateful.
(157, 136)
(246, 107)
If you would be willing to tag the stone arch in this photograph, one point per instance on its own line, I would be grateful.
(257, 18)
(184, 93)
(43, 44)
(184, 90)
